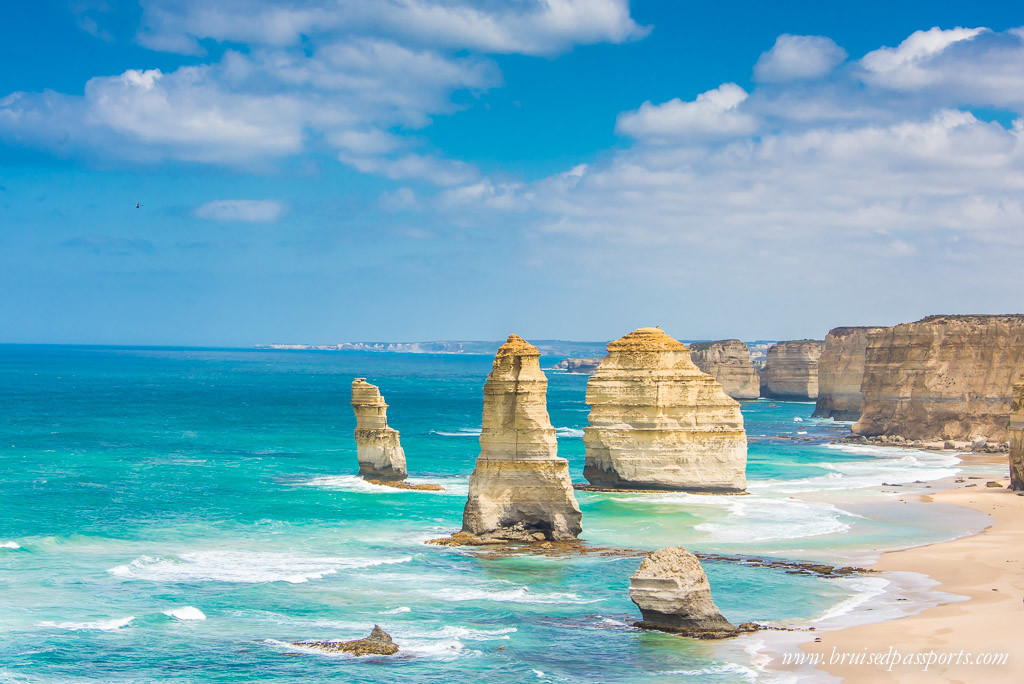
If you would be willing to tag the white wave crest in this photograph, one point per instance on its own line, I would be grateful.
(244, 567)
(354, 483)
(395, 611)
(461, 432)
(515, 595)
(10, 545)
(185, 613)
(867, 588)
(572, 433)
(102, 625)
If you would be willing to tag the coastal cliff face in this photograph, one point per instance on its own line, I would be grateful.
(520, 489)
(840, 373)
(1017, 437)
(791, 370)
(578, 365)
(378, 448)
(728, 362)
(943, 377)
(673, 595)
(657, 422)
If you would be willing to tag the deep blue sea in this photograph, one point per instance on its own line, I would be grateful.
(179, 515)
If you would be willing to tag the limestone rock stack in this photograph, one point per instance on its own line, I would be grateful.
(657, 422)
(378, 449)
(791, 370)
(728, 362)
(1017, 437)
(673, 595)
(942, 378)
(588, 365)
(840, 372)
(520, 489)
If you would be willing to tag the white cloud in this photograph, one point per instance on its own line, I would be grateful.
(714, 114)
(798, 57)
(901, 67)
(246, 211)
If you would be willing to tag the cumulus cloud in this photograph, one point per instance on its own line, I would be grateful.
(901, 66)
(713, 114)
(798, 57)
(246, 211)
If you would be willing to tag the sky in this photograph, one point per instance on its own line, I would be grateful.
(319, 171)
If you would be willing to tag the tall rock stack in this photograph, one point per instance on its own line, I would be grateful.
(728, 362)
(942, 378)
(378, 449)
(520, 489)
(791, 370)
(1017, 436)
(658, 423)
(840, 373)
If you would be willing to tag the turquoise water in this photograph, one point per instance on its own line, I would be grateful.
(139, 482)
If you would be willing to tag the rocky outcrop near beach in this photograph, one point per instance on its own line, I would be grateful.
(942, 378)
(673, 595)
(791, 370)
(577, 365)
(841, 371)
(728, 362)
(658, 423)
(520, 489)
(1017, 436)
(378, 448)
(378, 643)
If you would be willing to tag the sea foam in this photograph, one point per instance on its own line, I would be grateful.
(185, 613)
(10, 545)
(102, 625)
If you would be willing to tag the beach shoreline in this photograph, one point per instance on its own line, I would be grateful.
(982, 576)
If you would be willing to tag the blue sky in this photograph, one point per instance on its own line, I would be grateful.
(326, 170)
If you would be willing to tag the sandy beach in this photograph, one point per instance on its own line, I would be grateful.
(949, 641)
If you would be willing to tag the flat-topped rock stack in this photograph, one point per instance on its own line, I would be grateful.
(658, 423)
(1017, 436)
(378, 448)
(942, 378)
(520, 490)
(841, 371)
(791, 370)
(728, 362)
(587, 365)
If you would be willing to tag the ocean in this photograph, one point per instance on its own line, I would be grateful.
(181, 515)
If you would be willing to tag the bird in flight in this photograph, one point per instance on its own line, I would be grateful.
(138, 205)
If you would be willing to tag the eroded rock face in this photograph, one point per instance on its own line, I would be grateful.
(791, 370)
(520, 489)
(657, 422)
(840, 373)
(378, 448)
(728, 362)
(673, 595)
(942, 378)
(1017, 437)
(587, 365)
(378, 643)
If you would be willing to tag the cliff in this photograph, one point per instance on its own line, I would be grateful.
(520, 489)
(378, 448)
(1017, 436)
(943, 377)
(728, 362)
(791, 370)
(578, 365)
(658, 422)
(673, 595)
(840, 372)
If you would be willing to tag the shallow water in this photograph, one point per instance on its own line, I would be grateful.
(179, 515)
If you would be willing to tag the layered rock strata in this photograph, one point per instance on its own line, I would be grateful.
(840, 373)
(942, 378)
(578, 365)
(378, 448)
(1017, 437)
(658, 423)
(728, 362)
(520, 489)
(673, 595)
(791, 370)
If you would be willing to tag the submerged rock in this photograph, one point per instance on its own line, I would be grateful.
(378, 448)
(378, 643)
(791, 370)
(673, 595)
(728, 362)
(520, 489)
(1017, 437)
(658, 423)
(840, 373)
